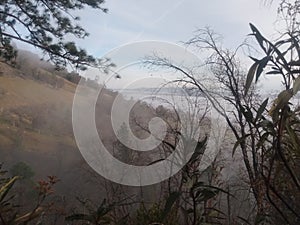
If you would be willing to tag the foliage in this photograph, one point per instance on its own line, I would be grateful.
(277, 125)
(156, 214)
(10, 213)
(267, 136)
(99, 215)
(45, 25)
(224, 71)
(22, 170)
(190, 196)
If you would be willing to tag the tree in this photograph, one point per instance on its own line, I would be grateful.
(45, 24)
(190, 195)
(22, 170)
(266, 135)
(223, 69)
(279, 122)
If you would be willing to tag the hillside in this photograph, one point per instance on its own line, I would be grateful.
(36, 128)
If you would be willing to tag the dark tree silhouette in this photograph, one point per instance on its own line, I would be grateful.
(45, 24)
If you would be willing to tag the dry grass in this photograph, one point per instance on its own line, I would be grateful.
(19, 92)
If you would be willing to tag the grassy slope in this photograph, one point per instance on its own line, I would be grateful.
(48, 146)
(18, 92)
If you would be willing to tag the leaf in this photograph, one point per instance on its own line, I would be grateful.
(79, 216)
(261, 65)
(283, 98)
(6, 187)
(295, 142)
(262, 140)
(260, 39)
(205, 194)
(202, 185)
(28, 216)
(273, 72)
(155, 161)
(261, 109)
(169, 203)
(186, 211)
(250, 77)
(199, 150)
(238, 142)
(254, 59)
(280, 42)
(249, 116)
(296, 85)
(197, 185)
(295, 41)
(220, 190)
(260, 219)
(295, 71)
(103, 209)
(123, 220)
(244, 220)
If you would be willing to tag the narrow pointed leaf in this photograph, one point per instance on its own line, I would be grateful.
(6, 187)
(250, 77)
(261, 109)
(169, 203)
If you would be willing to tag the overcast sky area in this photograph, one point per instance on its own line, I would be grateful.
(172, 21)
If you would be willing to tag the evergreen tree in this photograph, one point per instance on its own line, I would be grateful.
(45, 24)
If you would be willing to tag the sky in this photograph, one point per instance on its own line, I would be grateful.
(172, 21)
